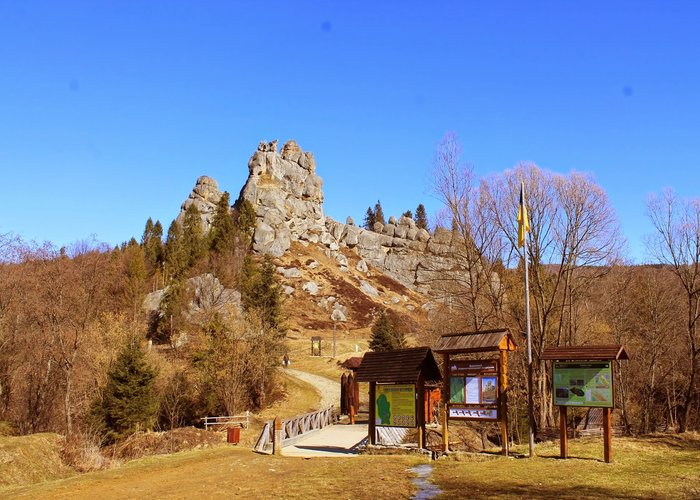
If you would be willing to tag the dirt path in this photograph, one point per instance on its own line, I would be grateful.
(328, 389)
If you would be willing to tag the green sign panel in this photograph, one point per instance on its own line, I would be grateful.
(395, 405)
(587, 383)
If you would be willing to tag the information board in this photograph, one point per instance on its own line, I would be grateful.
(583, 383)
(473, 390)
(395, 405)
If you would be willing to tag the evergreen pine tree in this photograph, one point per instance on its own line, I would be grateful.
(129, 402)
(222, 229)
(408, 214)
(193, 235)
(387, 333)
(147, 232)
(175, 254)
(379, 213)
(369, 219)
(421, 217)
(152, 243)
(260, 291)
(245, 218)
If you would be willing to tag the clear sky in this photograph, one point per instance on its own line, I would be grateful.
(110, 110)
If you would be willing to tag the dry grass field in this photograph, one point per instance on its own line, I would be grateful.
(663, 466)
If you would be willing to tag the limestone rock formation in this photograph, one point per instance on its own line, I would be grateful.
(287, 196)
(205, 195)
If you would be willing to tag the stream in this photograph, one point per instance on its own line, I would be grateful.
(426, 489)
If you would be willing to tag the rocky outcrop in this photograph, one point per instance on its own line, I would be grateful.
(204, 196)
(287, 196)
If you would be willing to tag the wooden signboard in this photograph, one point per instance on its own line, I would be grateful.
(583, 376)
(473, 390)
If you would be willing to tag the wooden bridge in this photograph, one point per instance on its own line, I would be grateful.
(294, 429)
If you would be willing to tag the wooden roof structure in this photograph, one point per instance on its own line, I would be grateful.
(482, 341)
(400, 365)
(352, 363)
(585, 353)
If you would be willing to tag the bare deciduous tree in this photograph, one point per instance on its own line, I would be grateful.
(474, 283)
(676, 244)
(573, 240)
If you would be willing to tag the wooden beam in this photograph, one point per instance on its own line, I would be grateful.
(503, 390)
(445, 400)
(420, 393)
(371, 425)
(563, 436)
(607, 434)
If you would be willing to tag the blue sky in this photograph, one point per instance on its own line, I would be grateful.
(110, 110)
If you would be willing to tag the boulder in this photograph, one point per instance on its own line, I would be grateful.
(311, 287)
(368, 289)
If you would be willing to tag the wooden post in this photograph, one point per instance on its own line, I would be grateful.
(277, 437)
(372, 424)
(420, 412)
(352, 415)
(445, 401)
(503, 389)
(607, 434)
(563, 436)
(445, 438)
(344, 394)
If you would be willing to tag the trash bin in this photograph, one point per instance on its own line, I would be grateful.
(233, 435)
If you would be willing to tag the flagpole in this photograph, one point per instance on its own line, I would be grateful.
(523, 229)
(530, 414)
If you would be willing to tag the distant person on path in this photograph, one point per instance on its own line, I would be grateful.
(285, 361)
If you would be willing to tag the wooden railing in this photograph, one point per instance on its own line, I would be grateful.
(295, 428)
(241, 420)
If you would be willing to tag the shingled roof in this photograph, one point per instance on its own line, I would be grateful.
(483, 341)
(585, 353)
(401, 365)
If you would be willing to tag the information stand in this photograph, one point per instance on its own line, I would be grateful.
(583, 376)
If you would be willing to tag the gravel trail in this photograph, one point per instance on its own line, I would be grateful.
(327, 388)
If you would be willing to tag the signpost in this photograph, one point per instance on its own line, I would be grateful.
(583, 376)
(315, 346)
(475, 389)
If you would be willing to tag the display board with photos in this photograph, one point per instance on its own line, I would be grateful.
(473, 390)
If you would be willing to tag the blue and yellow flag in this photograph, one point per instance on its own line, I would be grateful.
(523, 221)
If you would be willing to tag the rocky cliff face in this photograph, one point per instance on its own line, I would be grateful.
(287, 196)
(288, 200)
(204, 196)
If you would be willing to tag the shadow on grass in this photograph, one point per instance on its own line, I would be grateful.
(685, 441)
(454, 489)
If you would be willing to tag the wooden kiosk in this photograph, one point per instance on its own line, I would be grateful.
(584, 376)
(475, 389)
(397, 388)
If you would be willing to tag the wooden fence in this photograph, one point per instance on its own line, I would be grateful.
(228, 421)
(295, 428)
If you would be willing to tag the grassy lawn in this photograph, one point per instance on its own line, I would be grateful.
(654, 467)
(236, 472)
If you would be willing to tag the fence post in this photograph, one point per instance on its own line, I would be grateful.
(277, 437)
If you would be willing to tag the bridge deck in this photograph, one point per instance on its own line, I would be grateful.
(332, 441)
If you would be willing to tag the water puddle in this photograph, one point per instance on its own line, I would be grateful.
(426, 489)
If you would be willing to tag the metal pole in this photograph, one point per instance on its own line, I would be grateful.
(530, 411)
(334, 339)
